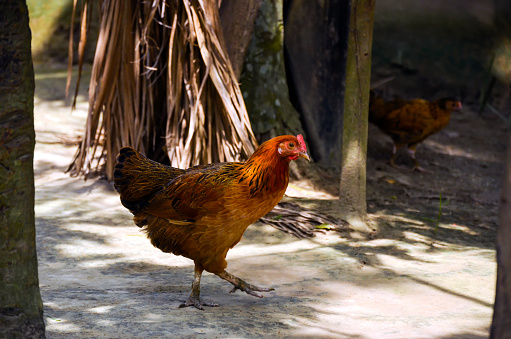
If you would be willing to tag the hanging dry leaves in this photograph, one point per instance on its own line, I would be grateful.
(162, 83)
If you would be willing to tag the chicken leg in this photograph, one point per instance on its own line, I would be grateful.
(243, 285)
(194, 298)
(395, 148)
(417, 167)
(411, 152)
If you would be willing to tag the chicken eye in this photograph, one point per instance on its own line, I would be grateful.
(291, 145)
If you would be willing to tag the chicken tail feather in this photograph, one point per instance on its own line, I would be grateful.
(137, 178)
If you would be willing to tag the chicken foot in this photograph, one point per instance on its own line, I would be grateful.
(411, 153)
(417, 167)
(194, 298)
(243, 285)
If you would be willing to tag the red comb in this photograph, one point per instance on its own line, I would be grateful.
(302, 142)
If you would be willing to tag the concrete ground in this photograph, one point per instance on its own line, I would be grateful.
(101, 278)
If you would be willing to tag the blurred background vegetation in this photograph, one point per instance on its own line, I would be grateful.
(50, 23)
(438, 48)
(432, 48)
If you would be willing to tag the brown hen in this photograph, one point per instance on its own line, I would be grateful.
(202, 212)
(411, 122)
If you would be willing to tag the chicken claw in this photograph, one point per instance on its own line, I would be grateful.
(197, 303)
(421, 169)
(416, 167)
(194, 298)
(243, 285)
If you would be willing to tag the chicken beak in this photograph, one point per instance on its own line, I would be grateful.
(304, 155)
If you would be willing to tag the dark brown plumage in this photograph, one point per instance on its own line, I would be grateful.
(410, 122)
(202, 212)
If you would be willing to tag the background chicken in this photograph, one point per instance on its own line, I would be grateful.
(410, 122)
(202, 212)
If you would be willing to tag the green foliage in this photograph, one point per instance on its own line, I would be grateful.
(50, 22)
(324, 226)
(46, 17)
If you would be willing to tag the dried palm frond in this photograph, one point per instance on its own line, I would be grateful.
(302, 223)
(162, 83)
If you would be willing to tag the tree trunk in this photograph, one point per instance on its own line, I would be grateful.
(356, 105)
(237, 18)
(21, 309)
(316, 35)
(501, 323)
(263, 82)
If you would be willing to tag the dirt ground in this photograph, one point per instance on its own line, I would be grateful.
(101, 278)
(429, 273)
